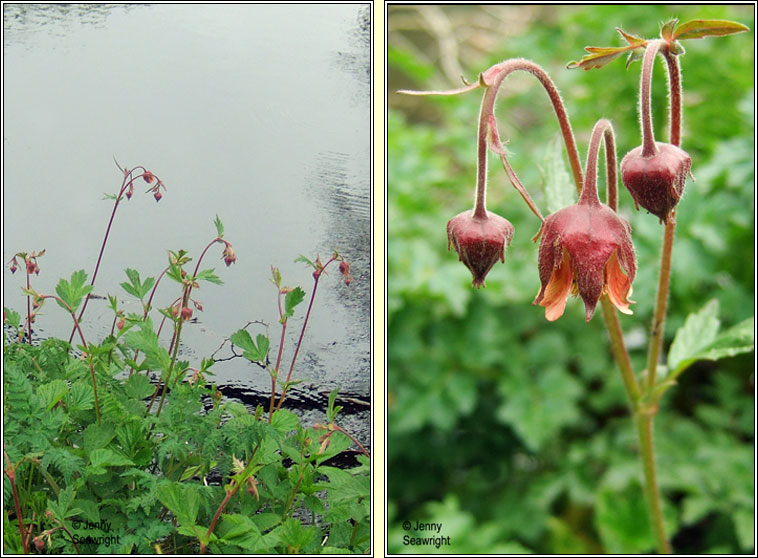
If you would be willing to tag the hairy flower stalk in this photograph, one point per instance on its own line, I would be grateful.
(655, 172)
(478, 236)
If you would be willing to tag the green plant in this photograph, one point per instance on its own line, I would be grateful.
(121, 446)
(583, 262)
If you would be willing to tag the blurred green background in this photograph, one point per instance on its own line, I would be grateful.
(513, 432)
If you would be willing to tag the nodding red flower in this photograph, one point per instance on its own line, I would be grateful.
(656, 182)
(129, 192)
(345, 271)
(14, 267)
(585, 249)
(479, 241)
(186, 313)
(157, 195)
(148, 177)
(121, 323)
(229, 256)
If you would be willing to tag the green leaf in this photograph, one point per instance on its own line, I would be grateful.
(138, 386)
(284, 421)
(219, 227)
(331, 410)
(72, 292)
(305, 260)
(108, 458)
(210, 276)
(698, 331)
(252, 351)
(181, 499)
(12, 318)
(241, 531)
(81, 397)
(557, 184)
(697, 340)
(291, 300)
(145, 340)
(136, 287)
(736, 340)
(52, 392)
(699, 28)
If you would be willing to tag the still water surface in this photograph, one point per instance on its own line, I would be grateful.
(259, 114)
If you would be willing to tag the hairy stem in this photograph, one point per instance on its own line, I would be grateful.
(299, 340)
(602, 129)
(11, 472)
(644, 421)
(648, 137)
(28, 308)
(503, 70)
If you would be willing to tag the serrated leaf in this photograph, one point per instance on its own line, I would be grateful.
(181, 500)
(50, 393)
(81, 397)
(667, 30)
(598, 57)
(284, 421)
(252, 351)
(291, 300)
(108, 458)
(11, 317)
(557, 183)
(734, 341)
(698, 331)
(210, 276)
(305, 260)
(699, 28)
(138, 386)
(145, 340)
(74, 291)
(136, 287)
(219, 227)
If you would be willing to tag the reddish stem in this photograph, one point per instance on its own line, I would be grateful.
(10, 471)
(602, 130)
(124, 185)
(648, 137)
(28, 307)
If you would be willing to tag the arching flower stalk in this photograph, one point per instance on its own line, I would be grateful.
(479, 236)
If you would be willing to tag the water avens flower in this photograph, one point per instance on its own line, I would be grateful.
(479, 240)
(586, 248)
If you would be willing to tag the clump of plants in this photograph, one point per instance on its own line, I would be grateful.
(586, 249)
(121, 446)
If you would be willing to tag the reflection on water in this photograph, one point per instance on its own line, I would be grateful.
(258, 113)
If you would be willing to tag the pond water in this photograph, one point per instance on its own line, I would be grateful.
(259, 114)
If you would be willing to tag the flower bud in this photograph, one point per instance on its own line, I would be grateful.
(186, 313)
(657, 182)
(148, 177)
(120, 324)
(157, 196)
(479, 241)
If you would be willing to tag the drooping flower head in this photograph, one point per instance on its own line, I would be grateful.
(479, 241)
(586, 249)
